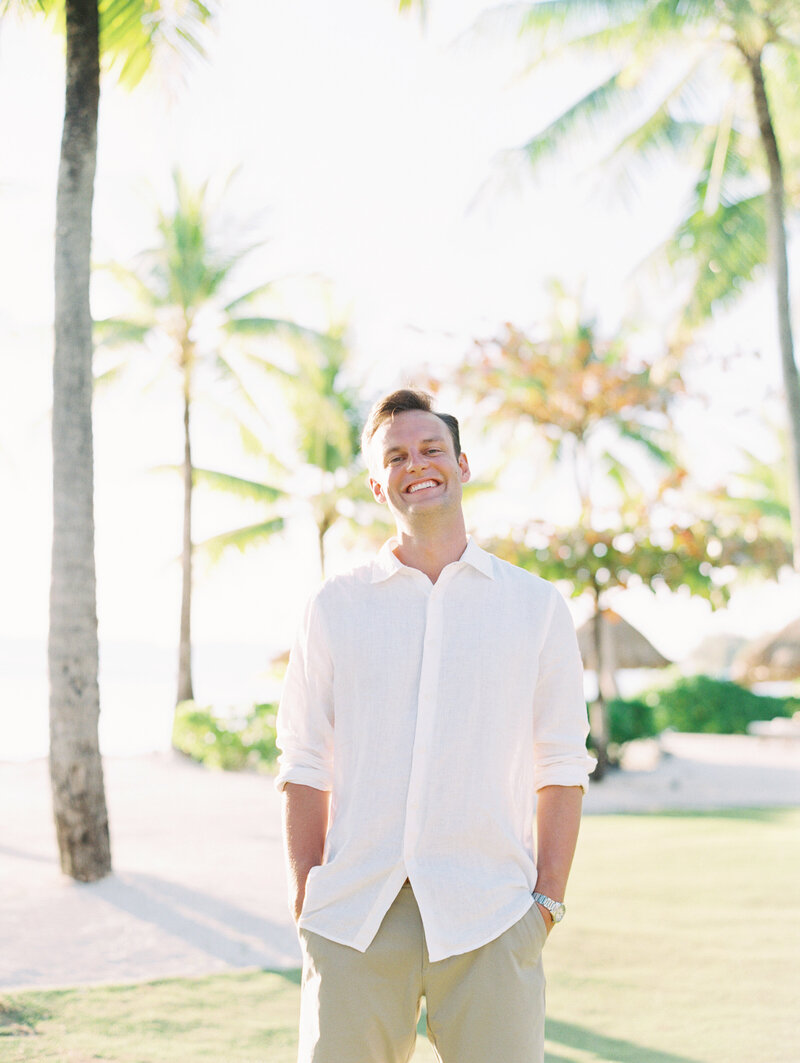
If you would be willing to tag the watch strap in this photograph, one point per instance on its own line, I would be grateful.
(555, 908)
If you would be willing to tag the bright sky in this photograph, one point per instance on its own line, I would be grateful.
(362, 146)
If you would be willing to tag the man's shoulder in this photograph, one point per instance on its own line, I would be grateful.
(512, 574)
(345, 582)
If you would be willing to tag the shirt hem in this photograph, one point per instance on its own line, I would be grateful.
(437, 952)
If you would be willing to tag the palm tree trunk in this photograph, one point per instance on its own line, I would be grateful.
(321, 546)
(780, 268)
(185, 689)
(76, 770)
(598, 713)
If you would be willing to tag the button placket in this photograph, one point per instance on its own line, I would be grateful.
(426, 706)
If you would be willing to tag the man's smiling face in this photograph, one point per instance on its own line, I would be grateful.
(413, 466)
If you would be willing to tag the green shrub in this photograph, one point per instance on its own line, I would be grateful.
(696, 703)
(630, 719)
(714, 706)
(233, 744)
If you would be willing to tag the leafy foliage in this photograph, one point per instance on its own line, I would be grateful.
(134, 32)
(571, 380)
(677, 81)
(638, 551)
(695, 704)
(327, 415)
(596, 404)
(757, 497)
(179, 295)
(590, 399)
(629, 720)
(229, 744)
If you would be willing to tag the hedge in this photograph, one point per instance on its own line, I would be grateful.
(695, 704)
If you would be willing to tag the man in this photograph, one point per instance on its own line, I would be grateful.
(433, 709)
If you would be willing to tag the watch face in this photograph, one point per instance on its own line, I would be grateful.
(558, 912)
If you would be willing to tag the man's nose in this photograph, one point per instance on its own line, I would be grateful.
(416, 459)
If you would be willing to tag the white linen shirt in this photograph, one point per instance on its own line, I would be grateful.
(433, 712)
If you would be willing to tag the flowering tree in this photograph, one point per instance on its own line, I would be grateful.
(607, 417)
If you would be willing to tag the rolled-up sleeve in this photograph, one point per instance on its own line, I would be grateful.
(305, 714)
(560, 719)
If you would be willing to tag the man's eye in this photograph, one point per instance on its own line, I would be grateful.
(397, 458)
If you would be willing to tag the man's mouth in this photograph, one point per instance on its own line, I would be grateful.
(421, 486)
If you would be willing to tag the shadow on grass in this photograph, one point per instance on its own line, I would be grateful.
(19, 1018)
(568, 1035)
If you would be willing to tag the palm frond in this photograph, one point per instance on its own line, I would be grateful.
(132, 281)
(171, 469)
(608, 98)
(227, 372)
(22, 7)
(572, 17)
(107, 377)
(131, 31)
(114, 332)
(282, 328)
(251, 442)
(551, 30)
(662, 131)
(728, 248)
(236, 485)
(640, 434)
(252, 296)
(242, 539)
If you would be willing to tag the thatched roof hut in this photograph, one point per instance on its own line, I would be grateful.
(714, 655)
(621, 645)
(773, 658)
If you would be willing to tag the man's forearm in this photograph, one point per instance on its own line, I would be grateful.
(305, 824)
(558, 817)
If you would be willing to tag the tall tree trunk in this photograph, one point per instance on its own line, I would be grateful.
(76, 770)
(321, 530)
(780, 268)
(185, 689)
(598, 712)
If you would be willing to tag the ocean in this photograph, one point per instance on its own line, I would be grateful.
(137, 692)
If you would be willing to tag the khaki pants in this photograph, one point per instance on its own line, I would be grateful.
(363, 1007)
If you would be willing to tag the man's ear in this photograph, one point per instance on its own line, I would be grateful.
(463, 464)
(377, 490)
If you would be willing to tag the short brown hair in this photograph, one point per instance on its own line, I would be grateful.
(403, 401)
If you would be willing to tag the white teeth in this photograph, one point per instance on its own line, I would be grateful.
(418, 487)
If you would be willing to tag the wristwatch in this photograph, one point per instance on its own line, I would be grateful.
(555, 908)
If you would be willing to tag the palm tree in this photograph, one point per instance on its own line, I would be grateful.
(181, 290)
(696, 80)
(76, 772)
(327, 415)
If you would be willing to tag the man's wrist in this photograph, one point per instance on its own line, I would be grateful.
(546, 914)
(555, 909)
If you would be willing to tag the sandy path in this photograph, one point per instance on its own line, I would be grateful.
(198, 885)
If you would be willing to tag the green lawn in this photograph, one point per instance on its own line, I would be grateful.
(681, 945)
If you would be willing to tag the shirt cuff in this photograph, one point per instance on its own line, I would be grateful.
(566, 775)
(304, 775)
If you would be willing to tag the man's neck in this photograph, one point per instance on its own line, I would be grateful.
(430, 554)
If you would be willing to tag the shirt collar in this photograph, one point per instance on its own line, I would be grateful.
(386, 564)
